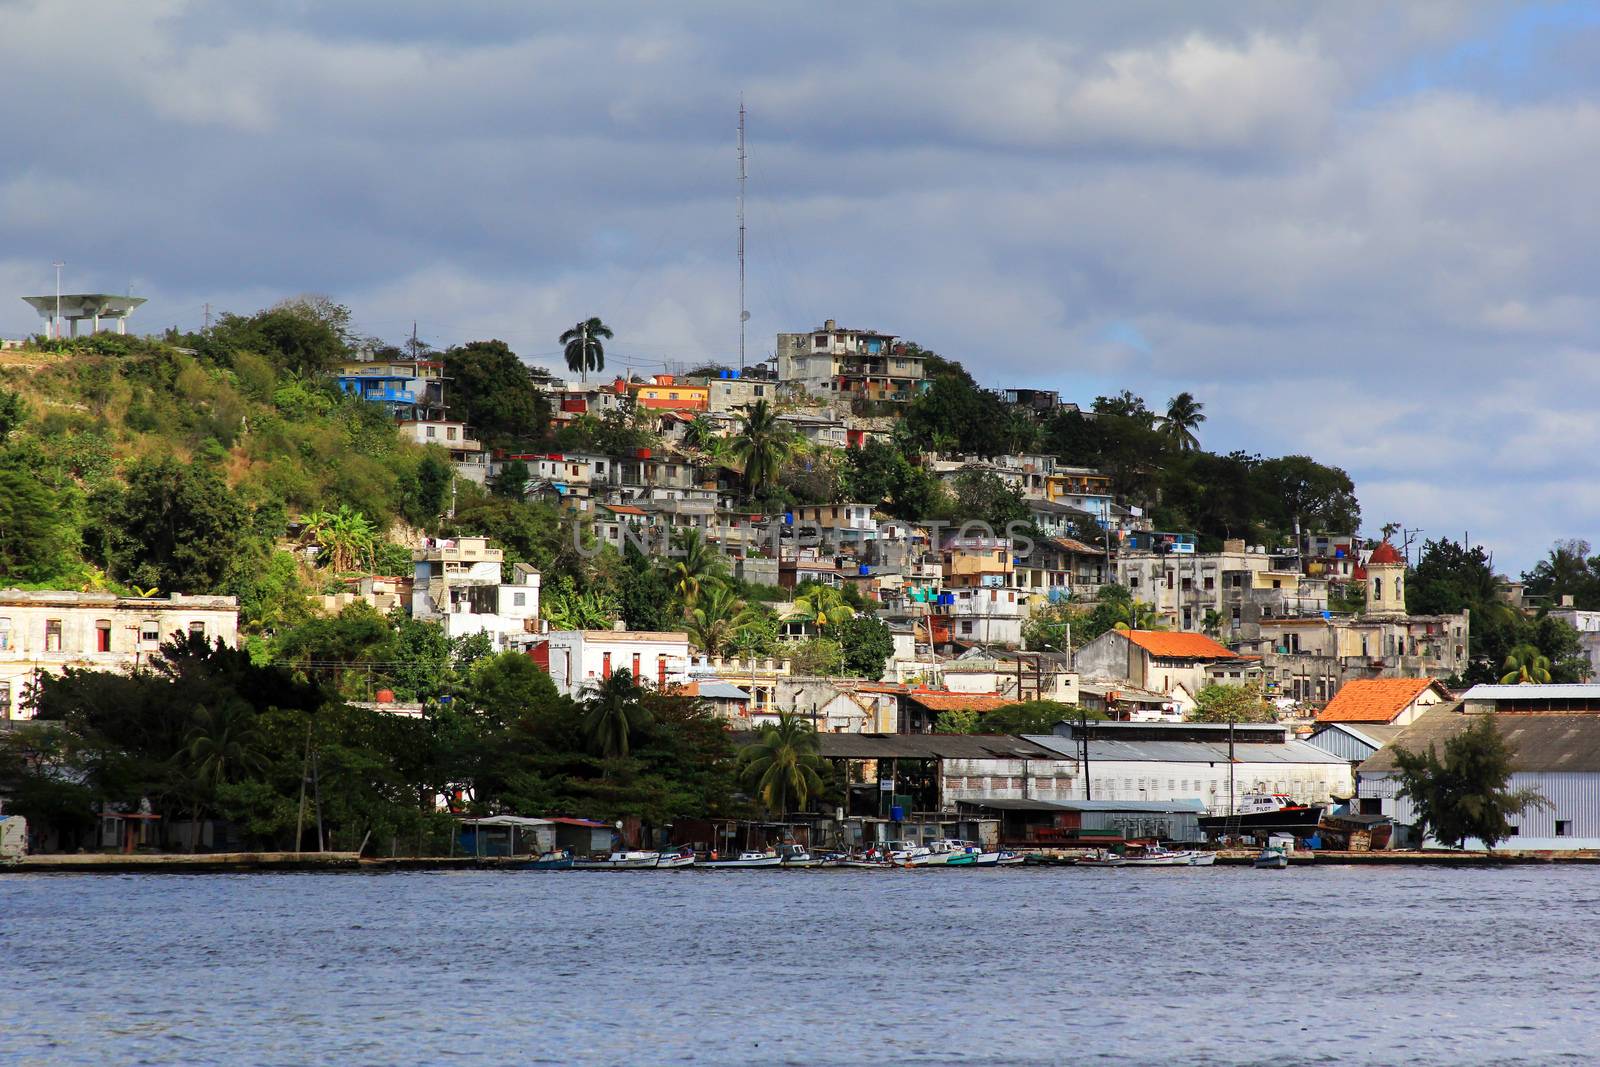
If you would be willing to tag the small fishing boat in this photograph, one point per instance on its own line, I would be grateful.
(1007, 858)
(1101, 858)
(559, 860)
(749, 860)
(620, 861)
(1272, 858)
(1157, 856)
(798, 856)
(1202, 859)
(668, 861)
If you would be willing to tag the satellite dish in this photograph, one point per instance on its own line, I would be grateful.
(744, 316)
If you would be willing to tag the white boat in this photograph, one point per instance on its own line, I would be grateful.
(1156, 856)
(667, 861)
(1202, 859)
(1272, 858)
(1008, 858)
(1101, 858)
(617, 861)
(798, 856)
(745, 861)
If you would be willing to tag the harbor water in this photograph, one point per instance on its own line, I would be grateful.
(1016, 966)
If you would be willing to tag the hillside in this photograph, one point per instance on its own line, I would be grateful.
(128, 464)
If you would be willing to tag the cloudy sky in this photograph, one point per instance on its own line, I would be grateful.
(1365, 232)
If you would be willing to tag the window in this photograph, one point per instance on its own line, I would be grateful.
(433, 431)
(102, 636)
(52, 635)
(5, 634)
(636, 666)
(966, 627)
(1188, 585)
(1377, 589)
(5, 700)
(1133, 581)
(1277, 583)
(197, 628)
(150, 632)
(605, 665)
(1563, 828)
(1169, 579)
(1211, 583)
(519, 599)
(450, 432)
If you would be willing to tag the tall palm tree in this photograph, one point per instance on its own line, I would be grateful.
(821, 605)
(583, 350)
(716, 619)
(694, 564)
(783, 764)
(222, 742)
(762, 444)
(1526, 665)
(613, 713)
(1184, 416)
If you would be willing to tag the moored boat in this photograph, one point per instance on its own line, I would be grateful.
(748, 860)
(1272, 858)
(558, 860)
(1101, 858)
(1007, 858)
(668, 861)
(634, 860)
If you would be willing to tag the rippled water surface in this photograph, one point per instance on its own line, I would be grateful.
(1226, 965)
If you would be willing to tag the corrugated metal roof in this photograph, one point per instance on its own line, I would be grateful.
(1590, 691)
(1188, 805)
(1187, 751)
(1541, 742)
(930, 746)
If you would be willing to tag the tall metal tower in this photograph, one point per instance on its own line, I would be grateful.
(744, 315)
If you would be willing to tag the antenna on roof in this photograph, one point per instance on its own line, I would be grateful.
(744, 316)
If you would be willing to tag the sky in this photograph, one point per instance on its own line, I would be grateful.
(1363, 232)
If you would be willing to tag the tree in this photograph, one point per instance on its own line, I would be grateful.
(1137, 615)
(761, 445)
(512, 480)
(38, 539)
(644, 592)
(715, 618)
(565, 607)
(1232, 703)
(345, 538)
(1568, 570)
(1034, 717)
(694, 564)
(1462, 795)
(953, 415)
(222, 743)
(174, 528)
(492, 391)
(297, 336)
(1184, 416)
(983, 496)
(820, 605)
(583, 348)
(613, 713)
(783, 764)
(868, 645)
(1526, 665)
(956, 722)
(13, 413)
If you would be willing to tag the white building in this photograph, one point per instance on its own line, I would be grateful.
(466, 451)
(458, 584)
(47, 632)
(987, 615)
(577, 659)
(1553, 732)
(1191, 761)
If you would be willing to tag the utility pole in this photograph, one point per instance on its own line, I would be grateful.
(1083, 745)
(208, 315)
(744, 315)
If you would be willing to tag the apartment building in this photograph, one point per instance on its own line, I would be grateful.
(48, 632)
(860, 364)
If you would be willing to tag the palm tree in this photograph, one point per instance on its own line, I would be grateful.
(716, 619)
(783, 764)
(695, 564)
(821, 605)
(1526, 665)
(762, 445)
(1184, 415)
(1137, 615)
(1212, 623)
(345, 537)
(613, 712)
(584, 351)
(221, 742)
(574, 610)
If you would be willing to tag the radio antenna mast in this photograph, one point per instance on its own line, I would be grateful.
(744, 316)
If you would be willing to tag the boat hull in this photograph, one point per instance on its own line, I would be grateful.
(1285, 820)
(765, 863)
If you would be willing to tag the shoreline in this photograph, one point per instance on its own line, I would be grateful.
(242, 862)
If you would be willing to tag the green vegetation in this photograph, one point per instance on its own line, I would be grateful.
(208, 733)
(782, 765)
(584, 348)
(1232, 703)
(1027, 717)
(1462, 795)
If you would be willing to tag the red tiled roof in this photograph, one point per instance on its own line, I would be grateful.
(943, 701)
(1177, 645)
(624, 509)
(1376, 700)
(1384, 553)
